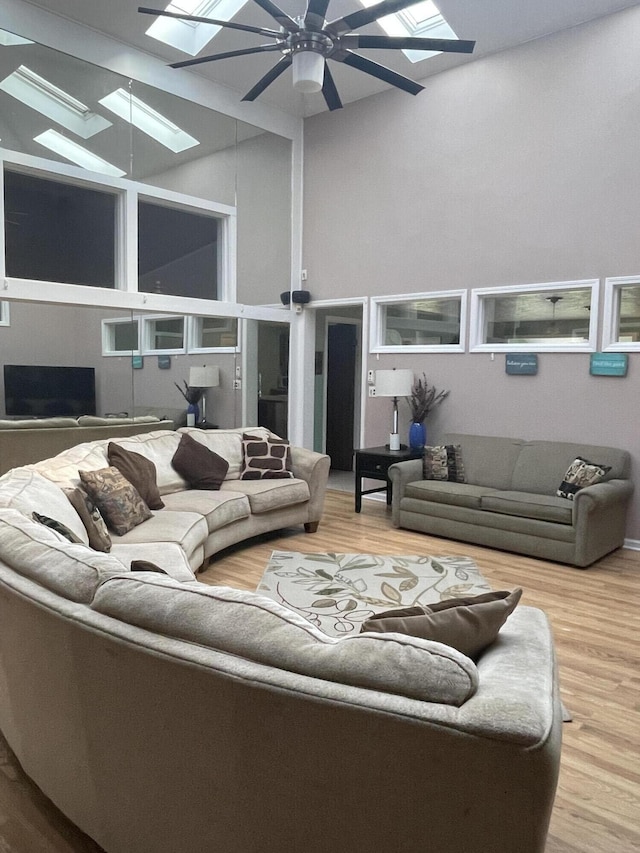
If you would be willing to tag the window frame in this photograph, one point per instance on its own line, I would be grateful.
(611, 314)
(194, 335)
(108, 336)
(147, 334)
(5, 314)
(477, 341)
(377, 332)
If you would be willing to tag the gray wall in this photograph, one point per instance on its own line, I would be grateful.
(515, 169)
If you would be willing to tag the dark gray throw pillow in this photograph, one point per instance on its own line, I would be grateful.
(146, 566)
(58, 526)
(467, 624)
(199, 466)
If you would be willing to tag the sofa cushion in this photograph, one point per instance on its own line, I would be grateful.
(39, 423)
(27, 490)
(168, 555)
(441, 491)
(580, 474)
(186, 529)
(218, 508)
(526, 505)
(138, 470)
(468, 624)
(254, 627)
(119, 502)
(443, 462)
(265, 458)
(62, 469)
(72, 571)
(542, 464)
(267, 495)
(89, 513)
(488, 460)
(200, 467)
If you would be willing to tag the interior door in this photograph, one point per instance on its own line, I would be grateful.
(341, 379)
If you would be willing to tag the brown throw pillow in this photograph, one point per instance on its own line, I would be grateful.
(199, 466)
(467, 624)
(146, 566)
(581, 473)
(58, 527)
(89, 513)
(265, 458)
(139, 471)
(443, 462)
(119, 502)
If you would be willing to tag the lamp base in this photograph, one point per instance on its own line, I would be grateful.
(394, 441)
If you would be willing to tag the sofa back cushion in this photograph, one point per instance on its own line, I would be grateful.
(227, 443)
(28, 491)
(541, 465)
(38, 553)
(488, 460)
(254, 627)
(159, 447)
(62, 469)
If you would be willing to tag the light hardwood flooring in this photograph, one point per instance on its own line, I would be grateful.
(596, 621)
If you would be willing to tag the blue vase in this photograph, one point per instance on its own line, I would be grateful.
(193, 414)
(417, 436)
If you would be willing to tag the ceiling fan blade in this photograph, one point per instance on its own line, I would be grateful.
(278, 15)
(268, 78)
(198, 20)
(329, 90)
(406, 43)
(379, 71)
(263, 48)
(367, 16)
(315, 14)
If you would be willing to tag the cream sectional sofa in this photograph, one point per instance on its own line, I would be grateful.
(161, 714)
(509, 498)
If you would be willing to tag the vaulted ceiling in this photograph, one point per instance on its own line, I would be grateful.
(495, 25)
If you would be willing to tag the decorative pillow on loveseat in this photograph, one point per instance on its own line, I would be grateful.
(467, 624)
(139, 471)
(200, 467)
(443, 462)
(265, 458)
(89, 513)
(581, 473)
(119, 502)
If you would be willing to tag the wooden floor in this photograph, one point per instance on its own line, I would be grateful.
(596, 620)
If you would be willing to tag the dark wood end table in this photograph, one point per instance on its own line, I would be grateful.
(373, 463)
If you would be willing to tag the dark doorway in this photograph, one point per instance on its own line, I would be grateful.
(342, 344)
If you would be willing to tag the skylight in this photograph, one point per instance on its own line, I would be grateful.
(187, 36)
(70, 150)
(46, 98)
(146, 119)
(420, 21)
(7, 39)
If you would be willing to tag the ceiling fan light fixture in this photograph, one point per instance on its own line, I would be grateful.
(308, 71)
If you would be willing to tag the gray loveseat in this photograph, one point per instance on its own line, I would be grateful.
(509, 501)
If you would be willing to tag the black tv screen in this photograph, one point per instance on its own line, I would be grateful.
(35, 391)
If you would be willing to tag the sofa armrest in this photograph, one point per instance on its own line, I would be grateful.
(314, 468)
(601, 495)
(401, 473)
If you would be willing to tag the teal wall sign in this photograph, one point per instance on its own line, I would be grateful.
(137, 362)
(164, 362)
(521, 363)
(609, 364)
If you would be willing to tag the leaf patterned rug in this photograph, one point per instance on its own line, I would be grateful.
(337, 592)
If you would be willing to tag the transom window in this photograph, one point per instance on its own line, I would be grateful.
(419, 322)
(622, 314)
(556, 316)
(120, 337)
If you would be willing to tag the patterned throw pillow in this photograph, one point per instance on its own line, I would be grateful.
(119, 502)
(443, 462)
(89, 513)
(579, 474)
(58, 527)
(139, 471)
(265, 458)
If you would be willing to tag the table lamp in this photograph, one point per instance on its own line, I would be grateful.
(207, 376)
(394, 383)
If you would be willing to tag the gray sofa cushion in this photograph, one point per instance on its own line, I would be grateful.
(254, 627)
(218, 508)
(542, 464)
(457, 494)
(186, 529)
(267, 495)
(488, 460)
(527, 505)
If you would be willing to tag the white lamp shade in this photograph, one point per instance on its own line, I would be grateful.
(394, 383)
(308, 71)
(207, 376)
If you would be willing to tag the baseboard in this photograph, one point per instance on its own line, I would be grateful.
(632, 544)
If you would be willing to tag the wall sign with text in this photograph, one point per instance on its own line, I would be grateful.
(521, 363)
(609, 364)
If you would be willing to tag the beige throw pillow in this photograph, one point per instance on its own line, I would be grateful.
(466, 624)
(119, 502)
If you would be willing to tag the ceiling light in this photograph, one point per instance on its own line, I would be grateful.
(46, 98)
(70, 150)
(8, 39)
(308, 71)
(146, 119)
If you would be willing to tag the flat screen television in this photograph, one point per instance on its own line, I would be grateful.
(35, 391)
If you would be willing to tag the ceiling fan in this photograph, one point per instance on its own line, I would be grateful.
(307, 41)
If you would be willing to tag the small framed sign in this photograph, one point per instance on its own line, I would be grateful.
(164, 362)
(521, 363)
(609, 364)
(137, 362)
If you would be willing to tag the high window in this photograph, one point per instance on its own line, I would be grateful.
(419, 322)
(621, 314)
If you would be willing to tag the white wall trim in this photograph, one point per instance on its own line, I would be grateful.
(632, 544)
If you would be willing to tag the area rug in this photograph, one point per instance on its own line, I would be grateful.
(337, 592)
